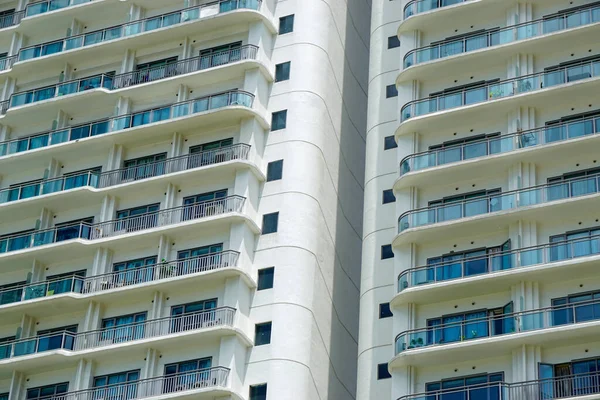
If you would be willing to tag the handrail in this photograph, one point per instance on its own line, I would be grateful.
(216, 317)
(117, 227)
(512, 33)
(501, 201)
(419, 6)
(119, 279)
(496, 325)
(37, 8)
(492, 263)
(504, 88)
(132, 120)
(120, 176)
(500, 144)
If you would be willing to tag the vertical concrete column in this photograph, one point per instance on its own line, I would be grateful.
(255, 83)
(164, 248)
(243, 240)
(135, 12)
(9, 88)
(37, 271)
(253, 134)
(123, 106)
(158, 303)
(403, 381)
(92, 318)
(246, 185)
(53, 170)
(238, 295)
(75, 29)
(525, 361)
(21, 4)
(128, 62)
(183, 93)
(4, 133)
(232, 355)
(83, 375)
(27, 327)
(16, 386)
(115, 156)
(150, 365)
(45, 220)
(176, 145)
(16, 42)
(260, 36)
(170, 197)
(102, 261)
(62, 120)
(186, 49)
(519, 120)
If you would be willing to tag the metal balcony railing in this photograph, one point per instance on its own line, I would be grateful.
(498, 325)
(500, 144)
(497, 262)
(584, 384)
(122, 226)
(493, 203)
(125, 175)
(69, 341)
(112, 124)
(513, 33)
(128, 79)
(37, 8)
(119, 279)
(501, 89)
(420, 6)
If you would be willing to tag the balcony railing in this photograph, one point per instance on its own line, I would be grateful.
(497, 262)
(37, 8)
(502, 36)
(498, 325)
(133, 28)
(114, 82)
(122, 226)
(500, 144)
(419, 6)
(501, 89)
(584, 384)
(125, 175)
(217, 317)
(119, 279)
(500, 202)
(207, 378)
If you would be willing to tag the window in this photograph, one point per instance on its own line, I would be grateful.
(210, 153)
(274, 170)
(205, 204)
(389, 142)
(56, 338)
(387, 252)
(5, 350)
(138, 218)
(133, 271)
(186, 375)
(47, 391)
(587, 310)
(572, 379)
(459, 387)
(12, 293)
(79, 228)
(388, 196)
(393, 42)
(258, 392)
(123, 328)
(278, 120)
(184, 317)
(467, 148)
(466, 205)
(572, 184)
(265, 278)
(194, 307)
(15, 241)
(282, 71)
(270, 222)
(3, 396)
(572, 244)
(382, 371)
(262, 334)
(568, 127)
(286, 24)
(152, 71)
(220, 55)
(24, 190)
(113, 379)
(60, 283)
(384, 311)
(391, 91)
(144, 167)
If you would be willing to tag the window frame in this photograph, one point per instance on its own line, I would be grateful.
(263, 334)
(284, 22)
(278, 173)
(270, 282)
(283, 71)
(279, 116)
(274, 215)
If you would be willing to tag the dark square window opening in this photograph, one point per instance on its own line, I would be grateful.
(387, 252)
(391, 91)
(385, 311)
(262, 334)
(258, 392)
(286, 24)
(265, 278)
(388, 196)
(270, 223)
(274, 170)
(282, 71)
(389, 142)
(393, 42)
(278, 120)
(382, 371)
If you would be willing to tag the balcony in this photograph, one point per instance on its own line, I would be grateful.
(119, 227)
(37, 8)
(564, 387)
(420, 6)
(114, 336)
(125, 175)
(77, 285)
(501, 89)
(502, 36)
(128, 121)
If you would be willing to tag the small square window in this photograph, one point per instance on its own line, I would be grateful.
(387, 252)
(278, 120)
(384, 311)
(265, 278)
(274, 170)
(262, 334)
(270, 222)
(258, 392)
(286, 24)
(382, 371)
(282, 71)
(391, 91)
(388, 196)
(389, 142)
(393, 42)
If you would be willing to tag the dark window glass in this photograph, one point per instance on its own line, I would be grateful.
(3, 396)
(113, 379)
(123, 328)
(184, 317)
(389, 142)
(265, 278)
(388, 196)
(282, 71)
(274, 170)
(391, 91)
(382, 371)
(460, 387)
(47, 391)
(387, 252)
(286, 24)
(278, 120)
(262, 334)
(393, 42)
(270, 222)
(258, 392)
(384, 310)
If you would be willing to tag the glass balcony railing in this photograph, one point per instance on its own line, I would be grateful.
(498, 325)
(119, 279)
(420, 6)
(118, 227)
(125, 175)
(136, 27)
(42, 7)
(527, 30)
(500, 202)
(497, 262)
(500, 144)
(216, 317)
(113, 124)
(585, 384)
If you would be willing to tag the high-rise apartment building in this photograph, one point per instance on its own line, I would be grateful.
(181, 198)
(482, 225)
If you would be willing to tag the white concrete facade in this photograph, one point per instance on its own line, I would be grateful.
(492, 236)
(138, 188)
